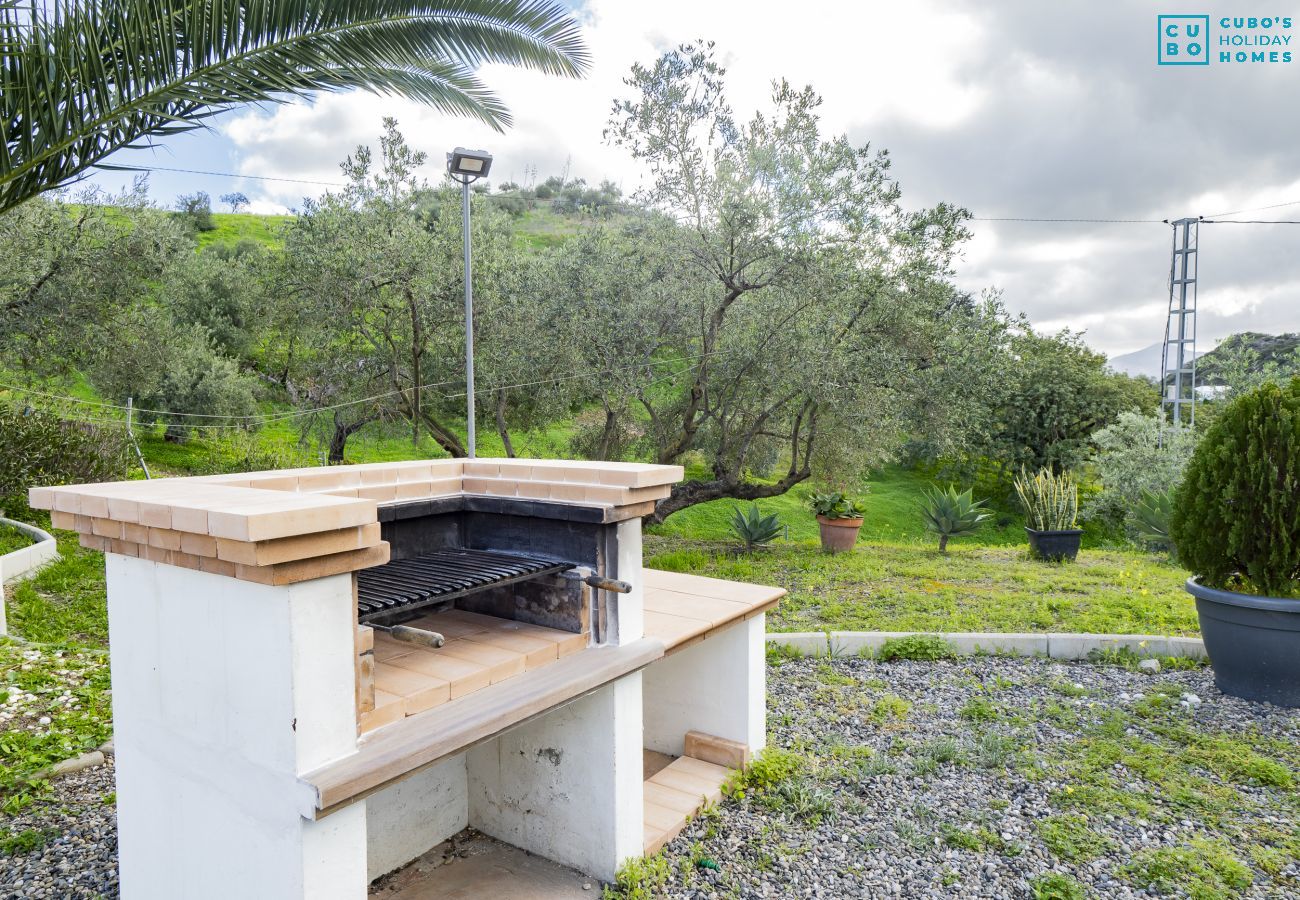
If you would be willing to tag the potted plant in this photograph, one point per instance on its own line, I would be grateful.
(1051, 505)
(1236, 524)
(950, 514)
(839, 517)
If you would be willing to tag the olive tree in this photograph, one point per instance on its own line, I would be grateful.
(810, 316)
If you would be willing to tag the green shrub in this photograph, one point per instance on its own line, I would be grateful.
(950, 514)
(1236, 519)
(1133, 458)
(1051, 501)
(924, 647)
(38, 448)
(752, 528)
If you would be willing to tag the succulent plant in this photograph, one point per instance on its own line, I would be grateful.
(950, 514)
(1051, 501)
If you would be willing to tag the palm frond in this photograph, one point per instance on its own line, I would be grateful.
(81, 79)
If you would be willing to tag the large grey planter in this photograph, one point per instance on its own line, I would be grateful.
(1253, 643)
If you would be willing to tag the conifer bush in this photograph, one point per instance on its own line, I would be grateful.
(1236, 518)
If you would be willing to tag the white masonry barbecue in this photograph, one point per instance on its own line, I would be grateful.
(320, 674)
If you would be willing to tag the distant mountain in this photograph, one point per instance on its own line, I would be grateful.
(1144, 362)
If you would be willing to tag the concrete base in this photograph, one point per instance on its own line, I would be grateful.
(717, 686)
(405, 820)
(472, 866)
(568, 785)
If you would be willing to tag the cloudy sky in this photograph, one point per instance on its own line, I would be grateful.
(1009, 108)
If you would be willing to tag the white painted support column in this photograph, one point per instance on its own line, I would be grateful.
(717, 686)
(567, 786)
(223, 692)
(415, 815)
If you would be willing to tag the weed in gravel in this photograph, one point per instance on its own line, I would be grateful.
(642, 878)
(16, 843)
(889, 708)
(1056, 886)
(977, 709)
(941, 750)
(1069, 837)
(995, 751)
(1069, 689)
(924, 767)
(801, 799)
(923, 647)
(780, 654)
(772, 767)
(977, 840)
(1203, 869)
(913, 835)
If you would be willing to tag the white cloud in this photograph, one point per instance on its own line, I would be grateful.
(1012, 109)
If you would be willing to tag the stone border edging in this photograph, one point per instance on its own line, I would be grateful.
(25, 560)
(1053, 646)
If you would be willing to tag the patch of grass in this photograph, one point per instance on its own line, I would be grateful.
(924, 647)
(779, 654)
(642, 878)
(64, 602)
(995, 751)
(943, 750)
(978, 840)
(12, 539)
(16, 843)
(772, 767)
(1056, 886)
(978, 709)
(36, 680)
(1070, 837)
(1204, 869)
(231, 228)
(889, 708)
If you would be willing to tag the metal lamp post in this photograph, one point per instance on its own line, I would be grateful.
(468, 166)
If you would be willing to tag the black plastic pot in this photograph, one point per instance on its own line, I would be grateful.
(1055, 545)
(1253, 643)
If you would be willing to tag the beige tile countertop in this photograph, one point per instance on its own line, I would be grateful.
(283, 526)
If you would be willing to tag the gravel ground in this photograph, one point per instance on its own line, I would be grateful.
(81, 859)
(921, 780)
(876, 808)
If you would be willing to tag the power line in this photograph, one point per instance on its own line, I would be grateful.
(1092, 221)
(1237, 212)
(1250, 221)
(234, 175)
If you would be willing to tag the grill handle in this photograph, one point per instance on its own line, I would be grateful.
(408, 635)
(607, 584)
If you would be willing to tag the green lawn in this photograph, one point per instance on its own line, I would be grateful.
(909, 587)
(235, 227)
(12, 539)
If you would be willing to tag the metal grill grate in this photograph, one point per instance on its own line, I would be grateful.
(441, 576)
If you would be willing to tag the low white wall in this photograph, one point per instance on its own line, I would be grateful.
(25, 560)
(717, 686)
(414, 815)
(568, 785)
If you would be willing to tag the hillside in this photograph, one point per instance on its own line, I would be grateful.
(1259, 350)
(1144, 363)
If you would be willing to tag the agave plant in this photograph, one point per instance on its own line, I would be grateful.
(1151, 516)
(82, 79)
(753, 528)
(950, 514)
(1051, 501)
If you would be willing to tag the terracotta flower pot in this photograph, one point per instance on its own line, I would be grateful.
(839, 534)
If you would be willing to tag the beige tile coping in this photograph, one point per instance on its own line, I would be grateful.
(270, 526)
